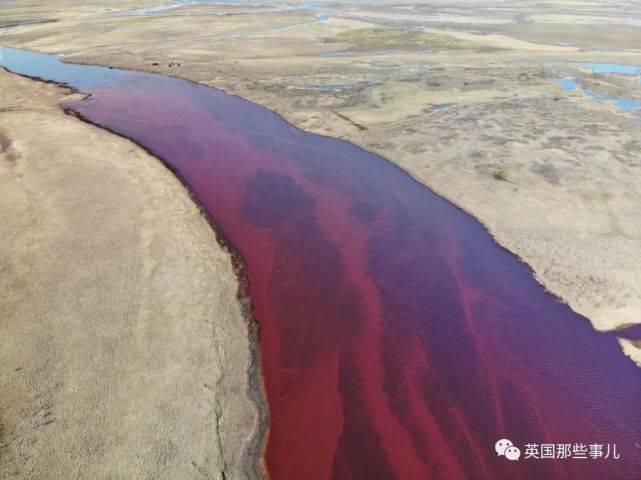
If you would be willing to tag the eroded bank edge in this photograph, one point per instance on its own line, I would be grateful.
(254, 450)
(491, 231)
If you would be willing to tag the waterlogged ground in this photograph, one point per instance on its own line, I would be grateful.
(624, 103)
(571, 84)
(398, 339)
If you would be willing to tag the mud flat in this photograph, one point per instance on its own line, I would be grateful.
(124, 351)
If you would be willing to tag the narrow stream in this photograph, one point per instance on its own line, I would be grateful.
(398, 340)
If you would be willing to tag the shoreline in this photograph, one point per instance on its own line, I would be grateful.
(260, 441)
(254, 461)
(252, 456)
(554, 182)
(493, 232)
(238, 265)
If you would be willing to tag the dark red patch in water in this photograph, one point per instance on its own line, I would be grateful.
(398, 340)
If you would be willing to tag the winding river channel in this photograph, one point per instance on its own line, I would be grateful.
(397, 339)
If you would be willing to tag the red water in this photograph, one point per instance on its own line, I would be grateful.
(398, 340)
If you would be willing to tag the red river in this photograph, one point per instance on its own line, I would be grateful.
(397, 339)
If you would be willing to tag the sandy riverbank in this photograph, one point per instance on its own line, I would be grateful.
(466, 100)
(124, 350)
(471, 107)
(105, 260)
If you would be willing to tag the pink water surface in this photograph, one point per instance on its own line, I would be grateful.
(398, 341)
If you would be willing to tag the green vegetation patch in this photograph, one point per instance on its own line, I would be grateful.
(382, 38)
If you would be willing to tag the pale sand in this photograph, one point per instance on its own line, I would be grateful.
(123, 351)
(632, 348)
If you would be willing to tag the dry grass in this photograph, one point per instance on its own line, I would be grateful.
(124, 351)
(401, 39)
